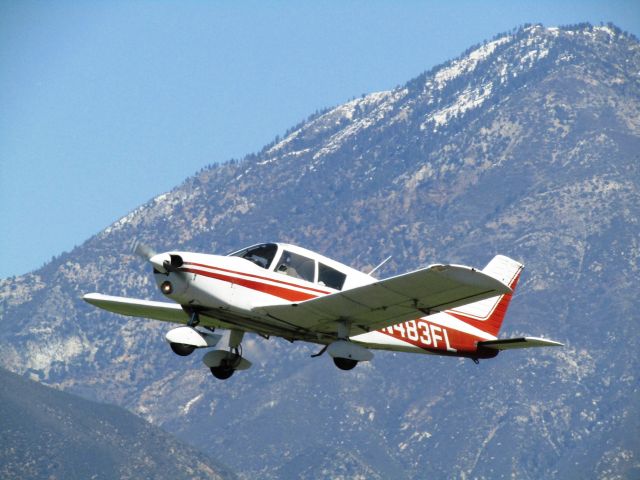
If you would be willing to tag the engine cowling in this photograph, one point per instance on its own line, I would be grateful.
(166, 262)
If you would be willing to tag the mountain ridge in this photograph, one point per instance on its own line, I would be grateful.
(52, 434)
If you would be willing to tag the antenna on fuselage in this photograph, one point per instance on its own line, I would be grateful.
(379, 265)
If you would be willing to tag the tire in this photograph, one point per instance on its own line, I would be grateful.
(182, 349)
(222, 373)
(345, 363)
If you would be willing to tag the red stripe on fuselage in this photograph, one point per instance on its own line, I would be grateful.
(280, 292)
(274, 280)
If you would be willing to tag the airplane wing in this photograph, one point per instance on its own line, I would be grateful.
(167, 312)
(390, 301)
(521, 342)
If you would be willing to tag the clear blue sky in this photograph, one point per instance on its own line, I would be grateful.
(104, 105)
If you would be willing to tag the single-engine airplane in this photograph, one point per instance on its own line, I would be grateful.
(276, 289)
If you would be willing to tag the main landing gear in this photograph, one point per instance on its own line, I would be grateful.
(184, 340)
(227, 365)
(345, 363)
(345, 353)
(224, 363)
(182, 349)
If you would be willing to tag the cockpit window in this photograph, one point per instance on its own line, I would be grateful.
(330, 277)
(297, 266)
(261, 255)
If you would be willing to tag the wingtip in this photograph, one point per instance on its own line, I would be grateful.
(88, 297)
(546, 341)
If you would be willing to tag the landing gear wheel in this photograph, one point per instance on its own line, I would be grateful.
(182, 349)
(345, 363)
(222, 373)
(228, 365)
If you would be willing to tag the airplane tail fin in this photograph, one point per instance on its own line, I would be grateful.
(488, 314)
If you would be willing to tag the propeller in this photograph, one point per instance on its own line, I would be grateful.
(142, 250)
(161, 262)
(164, 263)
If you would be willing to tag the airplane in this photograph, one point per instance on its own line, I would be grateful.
(282, 290)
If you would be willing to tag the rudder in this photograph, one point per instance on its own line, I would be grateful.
(488, 314)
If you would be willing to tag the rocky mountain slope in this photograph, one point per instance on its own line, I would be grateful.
(51, 434)
(526, 145)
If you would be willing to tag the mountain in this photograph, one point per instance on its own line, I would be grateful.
(51, 434)
(526, 145)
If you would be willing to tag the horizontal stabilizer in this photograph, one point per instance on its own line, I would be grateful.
(521, 342)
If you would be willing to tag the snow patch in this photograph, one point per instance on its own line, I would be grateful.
(606, 29)
(367, 412)
(187, 406)
(504, 71)
(468, 63)
(123, 221)
(380, 102)
(279, 146)
(467, 100)
(131, 216)
(43, 354)
(564, 57)
(534, 55)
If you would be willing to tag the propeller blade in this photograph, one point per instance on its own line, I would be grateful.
(142, 250)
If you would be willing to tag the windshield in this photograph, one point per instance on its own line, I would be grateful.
(262, 255)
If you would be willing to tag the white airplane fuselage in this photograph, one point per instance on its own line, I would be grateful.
(232, 288)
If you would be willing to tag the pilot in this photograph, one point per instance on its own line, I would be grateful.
(286, 267)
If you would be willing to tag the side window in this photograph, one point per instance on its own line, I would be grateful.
(296, 266)
(330, 277)
(261, 255)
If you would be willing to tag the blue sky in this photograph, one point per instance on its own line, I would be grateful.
(104, 105)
